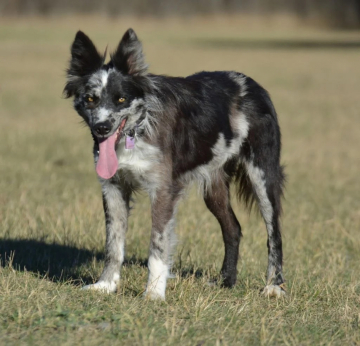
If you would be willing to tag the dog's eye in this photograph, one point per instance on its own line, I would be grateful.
(90, 99)
(121, 100)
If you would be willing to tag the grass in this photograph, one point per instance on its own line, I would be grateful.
(52, 227)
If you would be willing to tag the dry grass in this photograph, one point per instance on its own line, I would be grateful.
(52, 227)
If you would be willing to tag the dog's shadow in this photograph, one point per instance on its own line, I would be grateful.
(62, 263)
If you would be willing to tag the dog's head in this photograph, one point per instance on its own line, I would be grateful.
(109, 97)
(107, 94)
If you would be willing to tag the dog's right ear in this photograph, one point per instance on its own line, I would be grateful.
(128, 57)
(85, 60)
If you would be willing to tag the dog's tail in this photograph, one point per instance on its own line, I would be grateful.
(245, 190)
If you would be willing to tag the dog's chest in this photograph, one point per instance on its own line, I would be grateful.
(140, 162)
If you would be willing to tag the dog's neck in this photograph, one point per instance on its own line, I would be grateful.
(136, 129)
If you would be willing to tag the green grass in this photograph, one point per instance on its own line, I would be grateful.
(52, 227)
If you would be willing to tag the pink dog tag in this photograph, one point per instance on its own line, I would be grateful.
(129, 142)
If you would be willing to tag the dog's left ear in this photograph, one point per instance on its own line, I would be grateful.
(128, 57)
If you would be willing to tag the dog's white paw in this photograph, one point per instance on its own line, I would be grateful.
(103, 286)
(274, 291)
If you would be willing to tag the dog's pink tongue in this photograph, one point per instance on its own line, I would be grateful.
(107, 164)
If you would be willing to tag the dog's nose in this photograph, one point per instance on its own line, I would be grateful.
(102, 129)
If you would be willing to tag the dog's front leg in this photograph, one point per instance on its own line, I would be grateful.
(116, 207)
(162, 241)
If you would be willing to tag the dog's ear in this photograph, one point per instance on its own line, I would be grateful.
(128, 57)
(85, 60)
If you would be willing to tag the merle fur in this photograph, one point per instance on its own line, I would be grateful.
(187, 117)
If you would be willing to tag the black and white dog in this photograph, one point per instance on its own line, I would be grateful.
(160, 133)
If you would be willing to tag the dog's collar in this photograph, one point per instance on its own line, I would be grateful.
(134, 132)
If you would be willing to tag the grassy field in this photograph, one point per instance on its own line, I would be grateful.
(51, 221)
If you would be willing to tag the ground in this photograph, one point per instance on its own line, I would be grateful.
(51, 221)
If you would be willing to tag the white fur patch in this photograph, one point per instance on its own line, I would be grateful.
(102, 114)
(240, 126)
(138, 163)
(106, 287)
(104, 78)
(256, 176)
(204, 174)
(241, 80)
(98, 82)
(273, 291)
(140, 159)
(158, 274)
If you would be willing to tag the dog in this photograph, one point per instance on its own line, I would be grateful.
(159, 134)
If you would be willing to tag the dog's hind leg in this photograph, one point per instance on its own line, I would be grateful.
(262, 163)
(163, 209)
(217, 199)
(268, 196)
(116, 198)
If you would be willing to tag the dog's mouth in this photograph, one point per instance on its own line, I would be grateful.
(119, 131)
(107, 164)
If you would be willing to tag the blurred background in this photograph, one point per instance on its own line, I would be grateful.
(331, 13)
